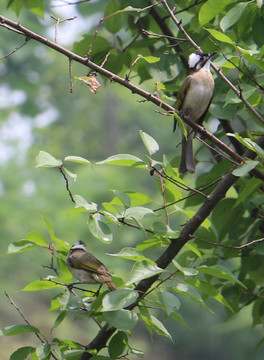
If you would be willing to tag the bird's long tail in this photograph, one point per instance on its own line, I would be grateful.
(110, 285)
(187, 163)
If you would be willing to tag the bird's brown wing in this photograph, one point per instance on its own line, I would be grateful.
(88, 262)
(181, 96)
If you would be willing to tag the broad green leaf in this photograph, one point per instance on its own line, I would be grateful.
(119, 299)
(138, 198)
(132, 254)
(245, 168)
(124, 198)
(220, 36)
(211, 9)
(250, 187)
(19, 246)
(36, 238)
(186, 290)
(40, 285)
(209, 290)
(164, 230)
(113, 19)
(18, 329)
(121, 319)
(139, 212)
(21, 353)
(153, 324)
(122, 160)
(100, 229)
(59, 319)
(117, 344)
(43, 351)
(37, 7)
(151, 144)
(73, 354)
(70, 174)
(80, 202)
(233, 15)
(44, 159)
(221, 272)
(184, 270)
(193, 249)
(78, 159)
(250, 144)
(149, 59)
(168, 301)
(143, 270)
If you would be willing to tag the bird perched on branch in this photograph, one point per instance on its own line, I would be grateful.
(193, 100)
(87, 268)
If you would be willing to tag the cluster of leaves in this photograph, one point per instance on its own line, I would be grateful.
(213, 265)
(198, 274)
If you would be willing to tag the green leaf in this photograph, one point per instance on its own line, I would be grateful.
(19, 246)
(36, 238)
(233, 15)
(250, 144)
(121, 319)
(78, 159)
(245, 168)
(153, 324)
(150, 59)
(44, 159)
(100, 229)
(124, 198)
(220, 36)
(211, 9)
(37, 7)
(117, 344)
(59, 319)
(131, 254)
(80, 202)
(113, 19)
(138, 198)
(209, 290)
(21, 353)
(139, 212)
(143, 270)
(70, 174)
(168, 302)
(122, 160)
(18, 329)
(40, 285)
(221, 272)
(119, 299)
(151, 144)
(184, 270)
(250, 187)
(43, 351)
(188, 291)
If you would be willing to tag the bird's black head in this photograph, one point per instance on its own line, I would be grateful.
(79, 245)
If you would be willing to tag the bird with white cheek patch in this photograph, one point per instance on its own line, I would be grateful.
(193, 100)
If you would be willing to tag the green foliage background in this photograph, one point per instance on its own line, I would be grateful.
(39, 113)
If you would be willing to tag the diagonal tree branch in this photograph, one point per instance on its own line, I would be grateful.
(176, 245)
(16, 26)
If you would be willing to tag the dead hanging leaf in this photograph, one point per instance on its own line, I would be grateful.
(91, 81)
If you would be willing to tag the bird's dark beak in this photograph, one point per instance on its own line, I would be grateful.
(211, 54)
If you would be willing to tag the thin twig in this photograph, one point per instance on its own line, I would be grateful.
(16, 49)
(67, 183)
(227, 246)
(25, 319)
